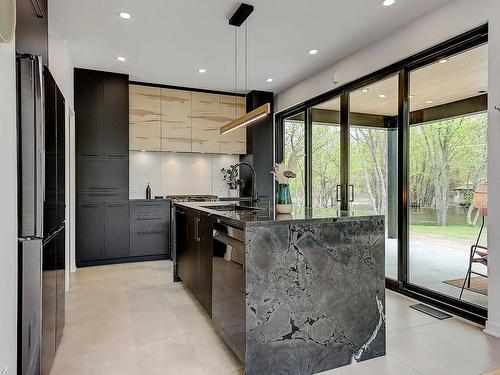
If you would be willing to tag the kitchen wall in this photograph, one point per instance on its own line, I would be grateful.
(8, 213)
(178, 173)
(450, 20)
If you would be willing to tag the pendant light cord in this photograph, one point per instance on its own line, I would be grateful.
(235, 70)
(246, 56)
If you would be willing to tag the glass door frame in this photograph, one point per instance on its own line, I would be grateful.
(403, 68)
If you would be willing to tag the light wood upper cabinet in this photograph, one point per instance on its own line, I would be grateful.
(206, 122)
(145, 117)
(175, 120)
(164, 119)
(234, 142)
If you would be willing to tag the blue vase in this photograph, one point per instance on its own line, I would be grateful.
(283, 195)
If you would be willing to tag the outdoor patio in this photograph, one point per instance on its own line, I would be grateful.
(434, 260)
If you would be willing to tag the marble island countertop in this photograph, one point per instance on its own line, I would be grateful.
(265, 214)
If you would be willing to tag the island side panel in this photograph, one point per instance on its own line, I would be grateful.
(315, 297)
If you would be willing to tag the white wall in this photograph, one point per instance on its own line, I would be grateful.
(171, 173)
(454, 18)
(8, 212)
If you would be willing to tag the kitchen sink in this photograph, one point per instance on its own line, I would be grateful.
(230, 208)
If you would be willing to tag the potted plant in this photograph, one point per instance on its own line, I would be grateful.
(283, 196)
(231, 178)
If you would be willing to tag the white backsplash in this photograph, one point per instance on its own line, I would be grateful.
(171, 173)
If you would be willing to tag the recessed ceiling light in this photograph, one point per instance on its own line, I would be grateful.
(429, 101)
(443, 61)
(364, 91)
(269, 80)
(381, 96)
(121, 58)
(125, 15)
(388, 3)
(313, 52)
(201, 70)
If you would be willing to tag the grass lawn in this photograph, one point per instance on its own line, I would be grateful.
(452, 232)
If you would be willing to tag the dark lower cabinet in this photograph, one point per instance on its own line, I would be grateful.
(89, 231)
(150, 228)
(194, 254)
(102, 231)
(116, 230)
(206, 253)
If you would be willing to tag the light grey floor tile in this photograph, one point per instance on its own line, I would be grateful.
(448, 347)
(387, 365)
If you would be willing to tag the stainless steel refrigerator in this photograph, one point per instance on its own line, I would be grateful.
(41, 190)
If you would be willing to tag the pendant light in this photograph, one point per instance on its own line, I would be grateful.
(237, 19)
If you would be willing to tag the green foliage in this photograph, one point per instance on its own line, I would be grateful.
(444, 156)
(231, 177)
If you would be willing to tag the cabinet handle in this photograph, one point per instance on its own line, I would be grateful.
(103, 188)
(103, 194)
(116, 155)
(150, 218)
(87, 154)
(116, 205)
(150, 232)
(197, 225)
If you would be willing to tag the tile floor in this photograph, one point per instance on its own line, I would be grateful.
(131, 319)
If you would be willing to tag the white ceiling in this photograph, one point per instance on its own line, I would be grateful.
(462, 76)
(166, 41)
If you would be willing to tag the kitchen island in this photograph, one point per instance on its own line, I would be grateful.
(307, 294)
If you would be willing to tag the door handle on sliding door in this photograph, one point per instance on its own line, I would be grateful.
(338, 193)
(352, 193)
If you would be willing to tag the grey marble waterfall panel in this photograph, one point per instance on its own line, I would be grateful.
(315, 297)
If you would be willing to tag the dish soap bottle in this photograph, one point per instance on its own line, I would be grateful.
(148, 192)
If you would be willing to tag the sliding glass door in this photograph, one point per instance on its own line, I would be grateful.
(373, 158)
(448, 176)
(325, 186)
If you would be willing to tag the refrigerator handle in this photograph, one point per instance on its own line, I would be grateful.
(40, 145)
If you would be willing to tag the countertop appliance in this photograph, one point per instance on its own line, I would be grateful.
(41, 214)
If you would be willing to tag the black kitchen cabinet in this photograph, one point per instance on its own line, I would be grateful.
(101, 112)
(89, 231)
(105, 176)
(32, 28)
(150, 228)
(102, 232)
(117, 230)
(194, 254)
(187, 248)
(88, 113)
(115, 116)
(102, 168)
(206, 254)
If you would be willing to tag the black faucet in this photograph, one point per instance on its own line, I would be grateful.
(255, 193)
